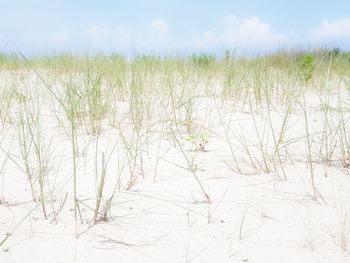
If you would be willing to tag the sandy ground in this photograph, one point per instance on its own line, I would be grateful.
(253, 216)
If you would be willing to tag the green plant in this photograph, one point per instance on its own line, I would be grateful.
(33, 146)
(306, 67)
(203, 60)
(95, 101)
(198, 141)
(192, 167)
(6, 104)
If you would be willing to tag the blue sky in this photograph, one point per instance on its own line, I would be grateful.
(172, 27)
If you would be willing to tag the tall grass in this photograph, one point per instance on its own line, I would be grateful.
(151, 102)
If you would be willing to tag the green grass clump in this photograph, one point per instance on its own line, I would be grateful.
(203, 59)
(306, 67)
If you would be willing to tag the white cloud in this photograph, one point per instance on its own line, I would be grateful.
(230, 32)
(159, 25)
(96, 33)
(153, 38)
(59, 38)
(240, 32)
(97, 38)
(336, 29)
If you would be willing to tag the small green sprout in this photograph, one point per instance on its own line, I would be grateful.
(199, 141)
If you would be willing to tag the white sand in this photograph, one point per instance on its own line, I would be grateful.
(252, 217)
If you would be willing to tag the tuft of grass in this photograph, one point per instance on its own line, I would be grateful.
(306, 67)
(203, 60)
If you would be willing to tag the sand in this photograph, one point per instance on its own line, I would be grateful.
(253, 214)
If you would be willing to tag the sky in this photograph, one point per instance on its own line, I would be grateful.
(172, 27)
